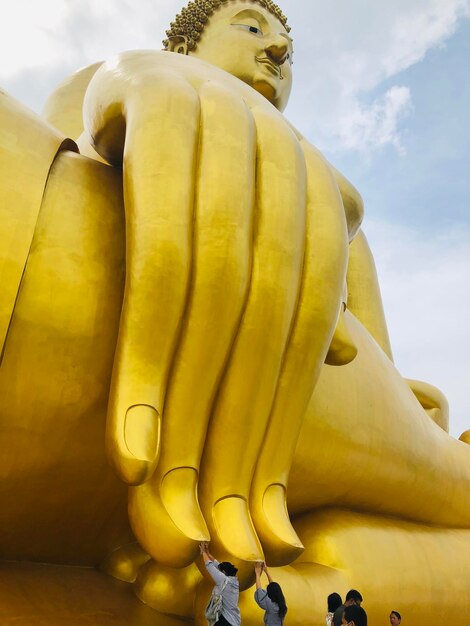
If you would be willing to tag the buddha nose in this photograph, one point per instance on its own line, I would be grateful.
(277, 50)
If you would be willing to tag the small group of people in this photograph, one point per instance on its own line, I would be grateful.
(351, 613)
(223, 607)
(223, 610)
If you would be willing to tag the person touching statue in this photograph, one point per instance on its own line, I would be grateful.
(270, 599)
(226, 588)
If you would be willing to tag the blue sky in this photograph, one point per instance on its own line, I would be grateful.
(383, 89)
(426, 186)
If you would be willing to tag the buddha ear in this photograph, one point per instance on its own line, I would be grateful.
(178, 44)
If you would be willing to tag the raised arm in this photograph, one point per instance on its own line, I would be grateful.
(211, 564)
(261, 595)
(206, 555)
(266, 571)
(258, 572)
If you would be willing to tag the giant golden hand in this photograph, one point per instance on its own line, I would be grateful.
(236, 256)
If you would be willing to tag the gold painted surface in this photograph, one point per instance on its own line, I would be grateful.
(364, 299)
(205, 313)
(465, 436)
(52, 595)
(375, 447)
(27, 148)
(61, 502)
(433, 402)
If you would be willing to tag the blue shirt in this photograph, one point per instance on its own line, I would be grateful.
(271, 615)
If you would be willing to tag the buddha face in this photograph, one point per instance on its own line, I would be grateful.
(249, 42)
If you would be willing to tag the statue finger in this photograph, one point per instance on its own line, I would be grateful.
(162, 129)
(247, 390)
(326, 250)
(165, 512)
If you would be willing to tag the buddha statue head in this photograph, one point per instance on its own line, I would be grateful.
(247, 38)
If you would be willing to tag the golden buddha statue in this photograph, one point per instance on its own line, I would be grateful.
(187, 294)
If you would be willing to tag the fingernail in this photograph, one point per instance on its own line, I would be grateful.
(235, 529)
(179, 496)
(142, 431)
(275, 510)
(280, 541)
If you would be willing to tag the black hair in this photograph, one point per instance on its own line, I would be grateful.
(334, 602)
(275, 595)
(228, 568)
(356, 614)
(353, 594)
(396, 613)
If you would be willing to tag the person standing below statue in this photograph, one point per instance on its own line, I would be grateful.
(226, 588)
(354, 615)
(353, 597)
(270, 599)
(395, 618)
(334, 601)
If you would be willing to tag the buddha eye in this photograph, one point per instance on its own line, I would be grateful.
(252, 29)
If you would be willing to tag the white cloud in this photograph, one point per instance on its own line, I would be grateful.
(27, 35)
(424, 283)
(366, 128)
(418, 30)
(345, 51)
(64, 34)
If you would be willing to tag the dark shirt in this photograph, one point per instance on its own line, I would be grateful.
(338, 616)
